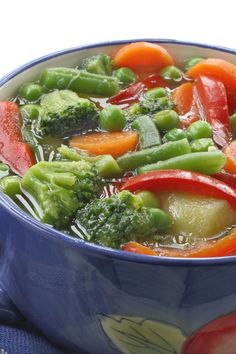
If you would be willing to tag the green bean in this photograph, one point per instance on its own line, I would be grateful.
(203, 162)
(79, 81)
(233, 122)
(198, 130)
(107, 167)
(125, 76)
(174, 135)
(201, 145)
(192, 61)
(149, 199)
(166, 120)
(132, 160)
(156, 92)
(171, 73)
(30, 91)
(112, 118)
(149, 135)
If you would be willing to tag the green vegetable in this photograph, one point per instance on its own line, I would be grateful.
(198, 130)
(201, 145)
(171, 73)
(61, 188)
(156, 92)
(125, 76)
(79, 81)
(10, 185)
(233, 122)
(30, 112)
(149, 106)
(120, 218)
(112, 118)
(166, 120)
(31, 92)
(149, 199)
(97, 64)
(174, 135)
(65, 113)
(149, 135)
(203, 162)
(192, 61)
(4, 170)
(105, 165)
(132, 160)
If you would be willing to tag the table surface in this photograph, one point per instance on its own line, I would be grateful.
(29, 29)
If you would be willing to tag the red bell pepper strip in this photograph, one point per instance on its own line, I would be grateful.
(133, 93)
(13, 151)
(225, 246)
(211, 100)
(227, 178)
(185, 181)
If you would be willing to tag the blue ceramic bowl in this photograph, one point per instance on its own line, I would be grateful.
(98, 300)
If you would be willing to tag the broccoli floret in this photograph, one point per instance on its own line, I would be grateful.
(61, 188)
(10, 185)
(65, 113)
(118, 219)
(97, 64)
(149, 106)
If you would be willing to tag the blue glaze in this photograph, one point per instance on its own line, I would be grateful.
(73, 291)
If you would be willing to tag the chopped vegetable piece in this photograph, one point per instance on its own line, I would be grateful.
(230, 152)
(115, 143)
(150, 200)
(171, 72)
(192, 61)
(211, 100)
(156, 92)
(31, 92)
(136, 247)
(13, 151)
(149, 135)
(112, 118)
(125, 76)
(184, 181)
(30, 112)
(199, 130)
(130, 161)
(227, 178)
(232, 119)
(143, 57)
(79, 81)
(183, 98)
(203, 162)
(10, 185)
(201, 145)
(166, 120)
(174, 135)
(98, 64)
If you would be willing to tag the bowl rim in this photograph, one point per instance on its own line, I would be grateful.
(48, 231)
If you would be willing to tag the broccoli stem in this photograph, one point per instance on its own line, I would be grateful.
(79, 81)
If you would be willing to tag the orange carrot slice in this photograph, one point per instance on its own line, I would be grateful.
(217, 68)
(230, 152)
(136, 247)
(115, 143)
(143, 57)
(183, 98)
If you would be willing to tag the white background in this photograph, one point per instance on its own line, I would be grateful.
(29, 29)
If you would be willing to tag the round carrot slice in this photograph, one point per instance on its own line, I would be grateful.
(115, 143)
(143, 57)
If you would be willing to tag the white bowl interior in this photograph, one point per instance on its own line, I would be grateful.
(180, 52)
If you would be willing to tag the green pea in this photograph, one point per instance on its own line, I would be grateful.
(156, 92)
(233, 121)
(125, 76)
(189, 63)
(31, 91)
(30, 111)
(171, 73)
(174, 135)
(198, 130)
(149, 199)
(166, 120)
(201, 145)
(112, 118)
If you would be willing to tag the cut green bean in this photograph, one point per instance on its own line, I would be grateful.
(201, 145)
(192, 61)
(125, 76)
(108, 167)
(174, 135)
(79, 81)
(149, 135)
(10, 185)
(156, 92)
(132, 160)
(171, 73)
(162, 220)
(30, 91)
(204, 162)
(166, 120)
(149, 199)
(199, 130)
(112, 118)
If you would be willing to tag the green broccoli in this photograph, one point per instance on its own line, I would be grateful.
(97, 64)
(149, 106)
(120, 218)
(10, 185)
(64, 113)
(61, 188)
